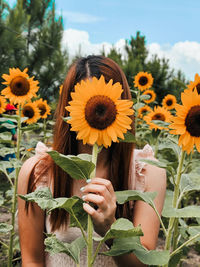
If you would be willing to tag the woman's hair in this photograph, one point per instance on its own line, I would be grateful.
(65, 140)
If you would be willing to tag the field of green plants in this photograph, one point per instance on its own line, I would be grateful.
(171, 128)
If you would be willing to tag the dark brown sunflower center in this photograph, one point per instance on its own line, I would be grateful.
(169, 102)
(159, 116)
(100, 112)
(19, 86)
(42, 109)
(198, 88)
(28, 112)
(192, 121)
(150, 96)
(143, 80)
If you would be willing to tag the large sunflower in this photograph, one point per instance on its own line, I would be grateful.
(20, 87)
(160, 114)
(169, 101)
(187, 121)
(143, 111)
(152, 95)
(31, 111)
(2, 104)
(44, 108)
(97, 114)
(143, 81)
(194, 84)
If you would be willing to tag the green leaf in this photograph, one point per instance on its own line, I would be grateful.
(121, 228)
(5, 228)
(80, 214)
(128, 245)
(127, 195)
(155, 163)
(66, 118)
(75, 166)
(43, 197)
(30, 127)
(145, 97)
(190, 182)
(186, 212)
(161, 123)
(54, 245)
(128, 138)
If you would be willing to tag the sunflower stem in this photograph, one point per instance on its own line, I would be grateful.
(90, 224)
(14, 199)
(175, 203)
(44, 130)
(136, 112)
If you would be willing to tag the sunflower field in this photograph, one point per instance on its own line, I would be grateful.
(171, 129)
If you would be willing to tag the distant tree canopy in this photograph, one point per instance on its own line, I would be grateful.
(31, 35)
(166, 81)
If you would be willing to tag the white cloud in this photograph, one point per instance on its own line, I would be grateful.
(182, 55)
(77, 17)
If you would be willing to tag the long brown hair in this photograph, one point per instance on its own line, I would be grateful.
(65, 140)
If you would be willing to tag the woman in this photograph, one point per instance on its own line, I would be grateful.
(118, 168)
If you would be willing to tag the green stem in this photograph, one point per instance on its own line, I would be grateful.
(175, 201)
(80, 226)
(97, 250)
(90, 224)
(44, 130)
(136, 111)
(184, 244)
(3, 244)
(14, 199)
(161, 222)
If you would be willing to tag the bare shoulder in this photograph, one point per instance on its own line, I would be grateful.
(155, 178)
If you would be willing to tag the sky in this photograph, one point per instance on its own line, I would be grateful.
(171, 28)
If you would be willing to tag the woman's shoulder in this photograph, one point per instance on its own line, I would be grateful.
(35, 171)
(145, 174)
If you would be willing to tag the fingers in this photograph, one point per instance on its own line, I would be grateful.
(96, 199)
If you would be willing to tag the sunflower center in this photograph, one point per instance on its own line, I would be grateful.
(28, 112)
(42, 109)
(158, 116)
(19, 86)
(192, 121)
(143, 80)
(198, 88)
(100, 112)
(169, 102)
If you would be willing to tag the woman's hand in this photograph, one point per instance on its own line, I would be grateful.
(100, 192)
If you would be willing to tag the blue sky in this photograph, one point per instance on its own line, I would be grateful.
(160, 21)
(171, 28)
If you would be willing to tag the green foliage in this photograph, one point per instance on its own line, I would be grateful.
(31, 36)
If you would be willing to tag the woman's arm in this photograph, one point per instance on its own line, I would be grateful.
(145, 216)
(31, 225)
(101, 193)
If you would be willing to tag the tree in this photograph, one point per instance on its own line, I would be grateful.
(33, 35)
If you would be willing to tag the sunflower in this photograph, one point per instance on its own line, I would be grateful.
(60, 89)
(193, 85)
(152, 95)
(159, 113)
(31, 111)
(2, 104)
(143, 111)
(20, 87)
(187, 121)
(97, 114)
(143, 81)
(169, 101)
(44, 108)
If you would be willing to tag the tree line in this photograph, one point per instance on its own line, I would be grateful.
(31, 36)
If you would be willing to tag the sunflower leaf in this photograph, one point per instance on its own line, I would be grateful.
(127, 195)
(128, 138)
(5, 228)
(54, 245)
(121, 228)
(75, 166)
(128, 245)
